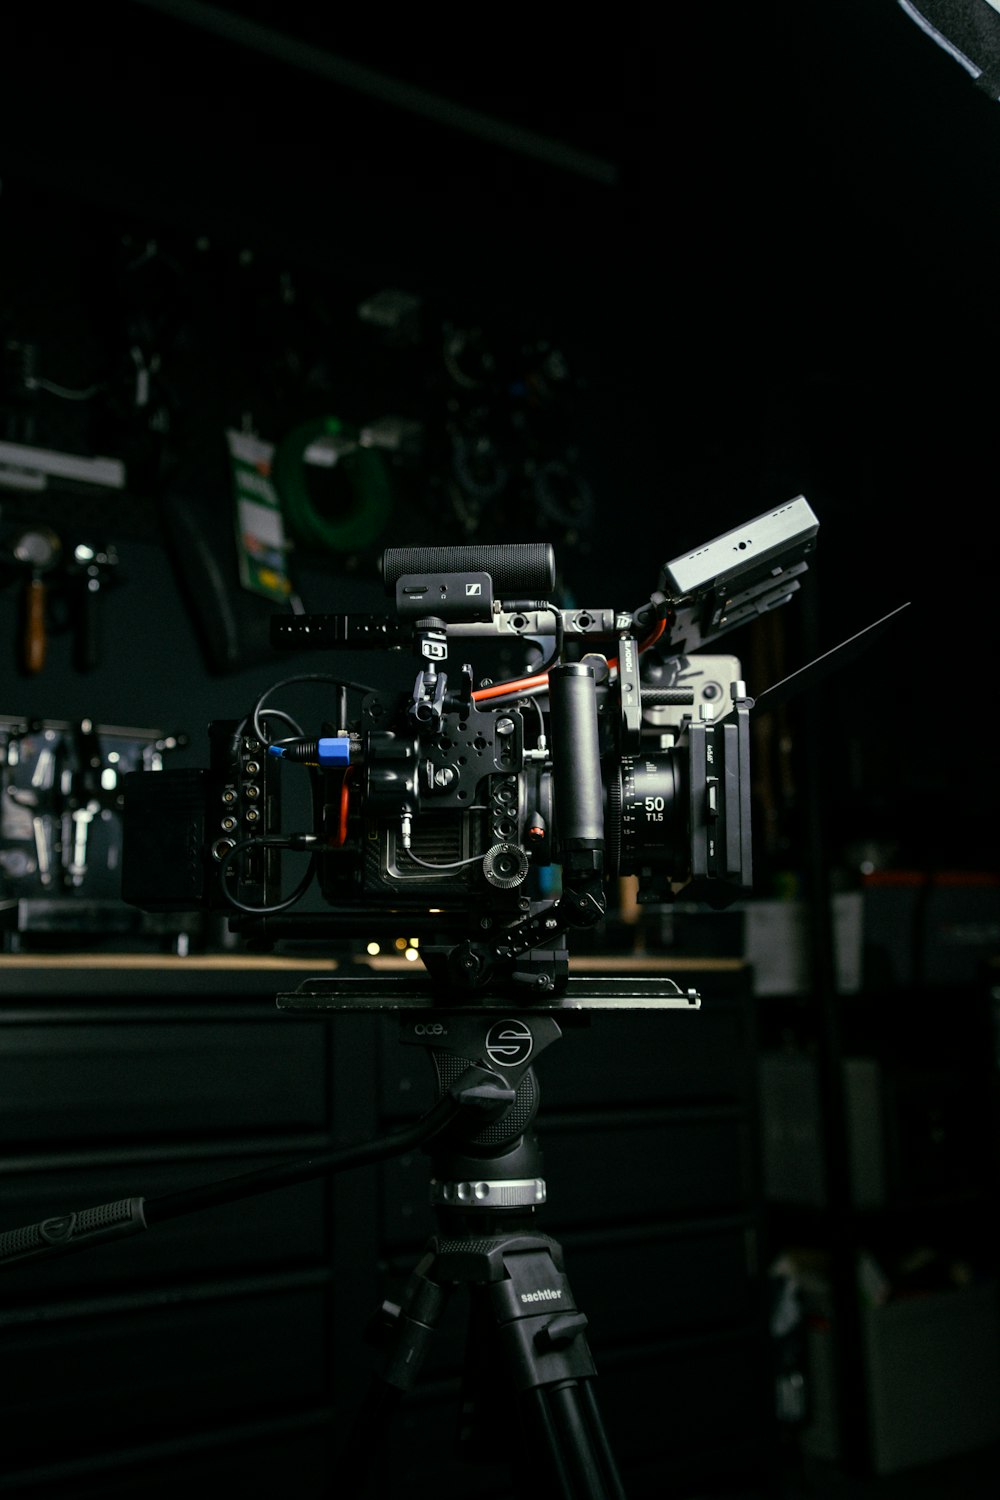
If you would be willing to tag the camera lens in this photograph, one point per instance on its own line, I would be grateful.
(645, 814)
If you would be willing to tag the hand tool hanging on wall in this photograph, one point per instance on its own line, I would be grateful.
(37, 549)
(93, 571)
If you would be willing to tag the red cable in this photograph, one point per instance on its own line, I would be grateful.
(523, 684)
(345, 798)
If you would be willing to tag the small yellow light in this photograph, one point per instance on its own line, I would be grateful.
(373, 948)
(400, 944)
(414, 942)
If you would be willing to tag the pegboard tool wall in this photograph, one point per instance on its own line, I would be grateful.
(754, 290)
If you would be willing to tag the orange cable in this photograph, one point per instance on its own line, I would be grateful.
(523, 684)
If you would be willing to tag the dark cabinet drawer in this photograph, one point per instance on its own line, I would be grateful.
(251, 1463)
(663, 1281)
(124, 1377)
(107, 1081)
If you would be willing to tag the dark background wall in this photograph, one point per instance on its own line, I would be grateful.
(717, 258)
(764, 244)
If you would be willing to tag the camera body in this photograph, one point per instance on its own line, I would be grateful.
(492, 819)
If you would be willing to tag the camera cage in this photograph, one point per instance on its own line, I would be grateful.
(620, 752)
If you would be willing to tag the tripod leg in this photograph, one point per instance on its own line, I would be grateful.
(539, 1421)
(600, 1439)
(566, 1455)
(538, 1334)
(564, 1422)
(581, 1434)
(405, 1329)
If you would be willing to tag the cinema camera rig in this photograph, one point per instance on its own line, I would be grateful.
(437, 810)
